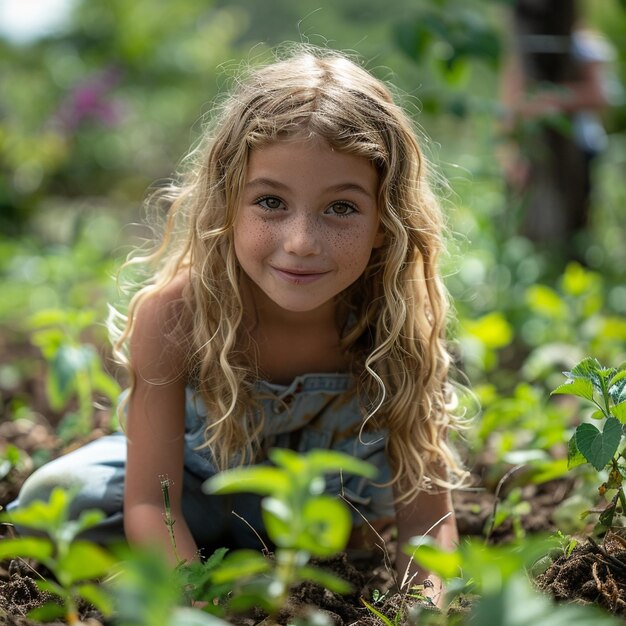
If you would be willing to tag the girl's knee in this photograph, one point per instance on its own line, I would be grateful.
(39, 485)
(89, 487)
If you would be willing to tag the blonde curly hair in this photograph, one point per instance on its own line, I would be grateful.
(396, 346)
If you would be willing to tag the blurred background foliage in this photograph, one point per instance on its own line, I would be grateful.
(104, 104)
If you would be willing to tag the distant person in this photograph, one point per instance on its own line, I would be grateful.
(553, 90)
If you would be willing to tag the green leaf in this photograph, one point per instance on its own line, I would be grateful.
(48, 341)
(105, 384)
(265, 593)
(574, 455)
(613, 328)
(432, 558)
(68, 363)
(46, 516)
(240, 564)
(619, 411)
(599, 447)
(47, 317)
(324, 578)
(579, 387)
(51, 587)
(588, 368)
(96, 595)
(278, 520)
(293, 462)
(279, 508)
(187, 616)
(617, 387)
(606, 517)
(323, 461)
(38, 548)
(260, 479)
(215, 559)
(47, 612)
(374, 611)
(544, 471)
(546, 301)
(88, 519)
(492, 330)
(10, 458)
(84, 561)
(12, 454)
(619, 375)
(577, 280)
(327, 526)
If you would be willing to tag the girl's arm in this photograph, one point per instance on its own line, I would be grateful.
(155, 426)
(428, 514)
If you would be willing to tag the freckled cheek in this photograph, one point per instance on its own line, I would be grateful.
(352, 247)
(255, 237)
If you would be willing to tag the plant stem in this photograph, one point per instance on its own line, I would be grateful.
(286, 570)
(167, 516)
(622, 499)
(71, 612)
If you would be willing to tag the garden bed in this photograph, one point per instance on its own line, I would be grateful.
(591, 573)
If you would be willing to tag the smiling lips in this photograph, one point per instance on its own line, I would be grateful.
(299, 277)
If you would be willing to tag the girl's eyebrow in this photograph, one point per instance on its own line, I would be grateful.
(266, 182)
(341, 187)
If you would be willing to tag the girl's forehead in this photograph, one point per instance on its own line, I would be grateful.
(308, 145)
(310, 156)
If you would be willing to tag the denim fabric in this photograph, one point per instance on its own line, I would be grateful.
(314, 411)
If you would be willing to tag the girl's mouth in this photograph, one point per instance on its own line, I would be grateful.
(299, 277)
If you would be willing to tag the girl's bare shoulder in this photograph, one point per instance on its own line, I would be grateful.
(162, 328)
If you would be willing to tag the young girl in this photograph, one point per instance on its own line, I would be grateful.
(295, 302)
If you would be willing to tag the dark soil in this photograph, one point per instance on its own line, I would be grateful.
(592, 573)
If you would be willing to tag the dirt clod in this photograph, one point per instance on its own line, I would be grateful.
(591, 573)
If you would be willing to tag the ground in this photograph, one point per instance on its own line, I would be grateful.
(591, 573)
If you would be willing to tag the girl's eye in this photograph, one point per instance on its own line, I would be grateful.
(341, 209)
(270, 203)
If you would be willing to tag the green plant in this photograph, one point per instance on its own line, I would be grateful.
(513, 507)
(74, 366)
(74, 563)
(195, 578)
(147, 591)
(299, 519)
(520, 426)
(605, 388)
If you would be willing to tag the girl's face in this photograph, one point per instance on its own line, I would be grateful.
(306, 224)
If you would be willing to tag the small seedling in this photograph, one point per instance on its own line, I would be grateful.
(300, 520)
(75, 369)
(148, 592)
(73, 562)
(605, 388)
(513, 507)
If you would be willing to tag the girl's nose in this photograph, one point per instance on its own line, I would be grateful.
(302, 236)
